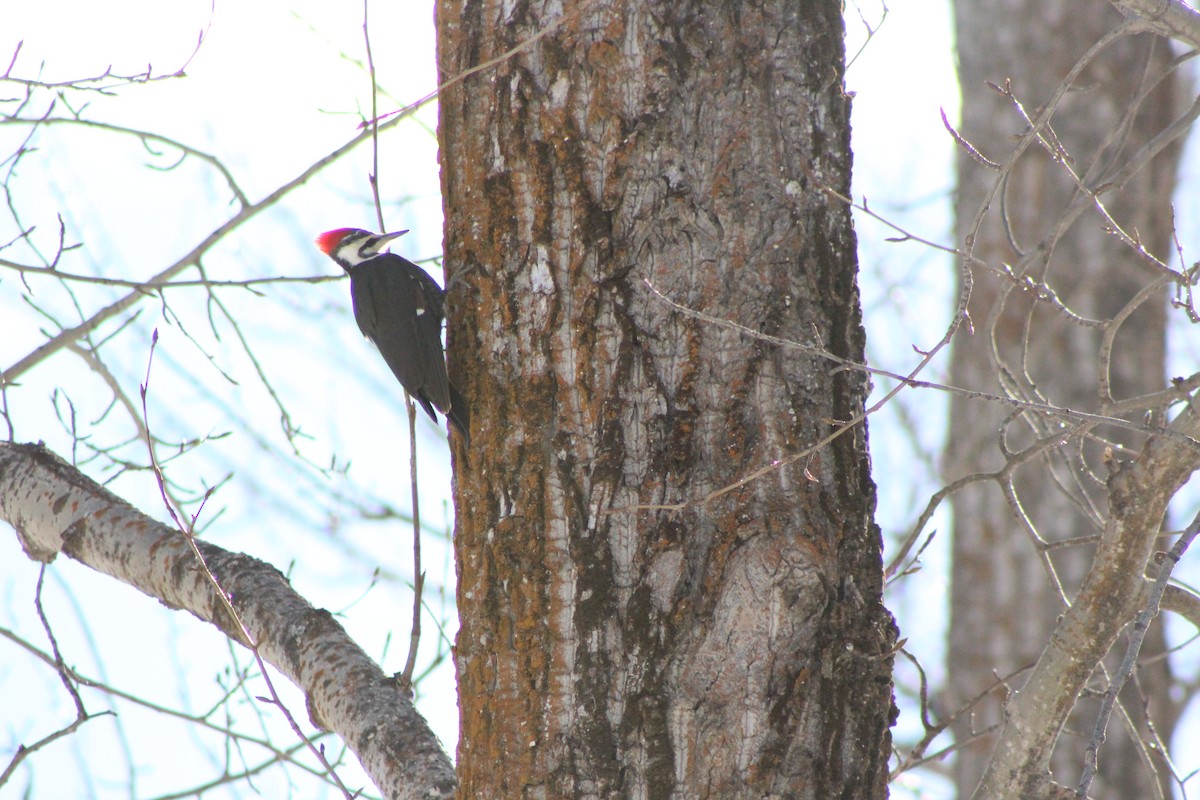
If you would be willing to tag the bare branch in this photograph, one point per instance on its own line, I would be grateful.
(1139, 495)
(1140, 625)
(54, 508)
(246, 214)
(1174, 19)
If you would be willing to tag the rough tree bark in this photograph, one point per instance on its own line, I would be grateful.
(611, 646)
(1003, 603)
(56, 509)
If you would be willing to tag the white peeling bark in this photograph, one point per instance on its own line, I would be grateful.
(54, 508)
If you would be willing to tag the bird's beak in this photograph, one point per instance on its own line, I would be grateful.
(383, 239)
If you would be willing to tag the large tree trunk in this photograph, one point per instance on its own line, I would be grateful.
(1004, 601)
(609, 645)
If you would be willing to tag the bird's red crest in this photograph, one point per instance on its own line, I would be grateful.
(329, 240)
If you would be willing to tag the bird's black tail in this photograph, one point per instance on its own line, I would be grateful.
(459, 415)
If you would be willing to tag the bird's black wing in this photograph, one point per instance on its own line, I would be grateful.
(399, 308)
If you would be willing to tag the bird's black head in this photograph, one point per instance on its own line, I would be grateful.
(350, 247)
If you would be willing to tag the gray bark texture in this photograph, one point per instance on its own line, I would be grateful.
(1010, 582)
(637, 618)
(56, 509)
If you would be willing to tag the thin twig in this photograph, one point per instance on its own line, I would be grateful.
(903, 381)
(64, 674)
(189, 532)
(414, 642)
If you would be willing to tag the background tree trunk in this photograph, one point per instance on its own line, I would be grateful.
(608, 645)
(1004, 601)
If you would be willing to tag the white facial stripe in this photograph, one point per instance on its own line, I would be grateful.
(359, 246)
(348, 252)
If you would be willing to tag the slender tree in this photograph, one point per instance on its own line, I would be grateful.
(1069, 310)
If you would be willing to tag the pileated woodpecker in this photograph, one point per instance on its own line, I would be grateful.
(399, 308)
